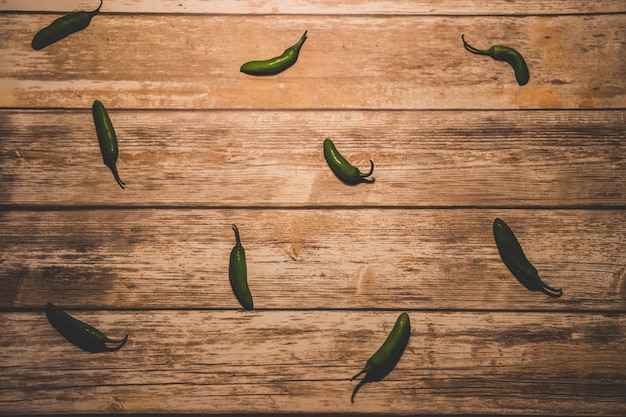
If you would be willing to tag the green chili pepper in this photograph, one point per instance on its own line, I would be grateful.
(79, 333)
(341, 167)
(506, 54)
(386, 357)
(277, 64)
(238, 273)
(513, 256)
(107, 138)
(62, 27)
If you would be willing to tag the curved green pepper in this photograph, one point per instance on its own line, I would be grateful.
(506, 54)
(62, 27)
(106, 138)
(238, 273)
(514, 258)
(277, 64)
(341, 167)
(386, 357)
(79, 333)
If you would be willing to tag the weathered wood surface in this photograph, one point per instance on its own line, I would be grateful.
(323, 7)
(370, 62)
(275, 158)
(311, 259)
(229, 361)
(456, 143)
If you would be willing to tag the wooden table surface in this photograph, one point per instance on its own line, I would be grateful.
(455, 140)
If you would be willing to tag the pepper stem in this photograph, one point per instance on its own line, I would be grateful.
(298, 45)
(356, 389)
(121, 342)
(472, 49)
(237, 239)
(362, 372)
(116, 175)
(552, 292)
(371, 170)
(95, 12)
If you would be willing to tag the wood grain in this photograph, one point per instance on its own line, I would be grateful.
(311, 259)
(291, 362)
(274, 158)
(456, 143)
(347, 62)
(321, 7)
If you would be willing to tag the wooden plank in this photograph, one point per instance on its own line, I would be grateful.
(456, 143)
(301, 362)
(368, 62)
(429, 7)
(275, 158)
(309, 259)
